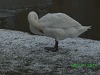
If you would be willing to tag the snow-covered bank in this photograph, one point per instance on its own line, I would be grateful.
(24, 54)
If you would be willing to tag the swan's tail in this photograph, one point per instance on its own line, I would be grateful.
(84, 28)
(89, 27)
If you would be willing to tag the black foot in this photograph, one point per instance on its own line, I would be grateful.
(51, 49)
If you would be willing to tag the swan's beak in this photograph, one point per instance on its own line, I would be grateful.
(41, 31)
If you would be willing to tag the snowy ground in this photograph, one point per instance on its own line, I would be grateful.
(24, 54)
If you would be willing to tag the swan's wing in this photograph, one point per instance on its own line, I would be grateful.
(58, 20)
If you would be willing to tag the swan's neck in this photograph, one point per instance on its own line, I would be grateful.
(33, 20)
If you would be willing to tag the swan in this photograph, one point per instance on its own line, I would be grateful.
(56, 25)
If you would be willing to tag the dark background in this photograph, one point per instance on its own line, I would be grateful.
(13, 13)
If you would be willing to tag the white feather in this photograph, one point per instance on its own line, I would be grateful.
(57, 25)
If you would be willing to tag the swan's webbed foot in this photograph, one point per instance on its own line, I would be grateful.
(54, 49)
(51, 49)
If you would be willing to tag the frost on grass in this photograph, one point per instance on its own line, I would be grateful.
(22, 53)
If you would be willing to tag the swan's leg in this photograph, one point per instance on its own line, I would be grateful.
(54, 49)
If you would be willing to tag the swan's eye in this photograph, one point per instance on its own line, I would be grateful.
(41, 31)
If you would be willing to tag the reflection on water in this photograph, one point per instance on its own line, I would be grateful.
(87, 12)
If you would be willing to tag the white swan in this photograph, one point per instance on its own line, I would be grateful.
(57, 25)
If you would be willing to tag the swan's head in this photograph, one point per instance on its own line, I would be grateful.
(34, 24)
(32, 16)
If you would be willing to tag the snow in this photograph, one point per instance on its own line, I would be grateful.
(22, 53)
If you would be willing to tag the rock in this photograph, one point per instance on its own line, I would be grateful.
(20, 55)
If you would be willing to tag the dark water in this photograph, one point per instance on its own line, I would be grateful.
(87, 12)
